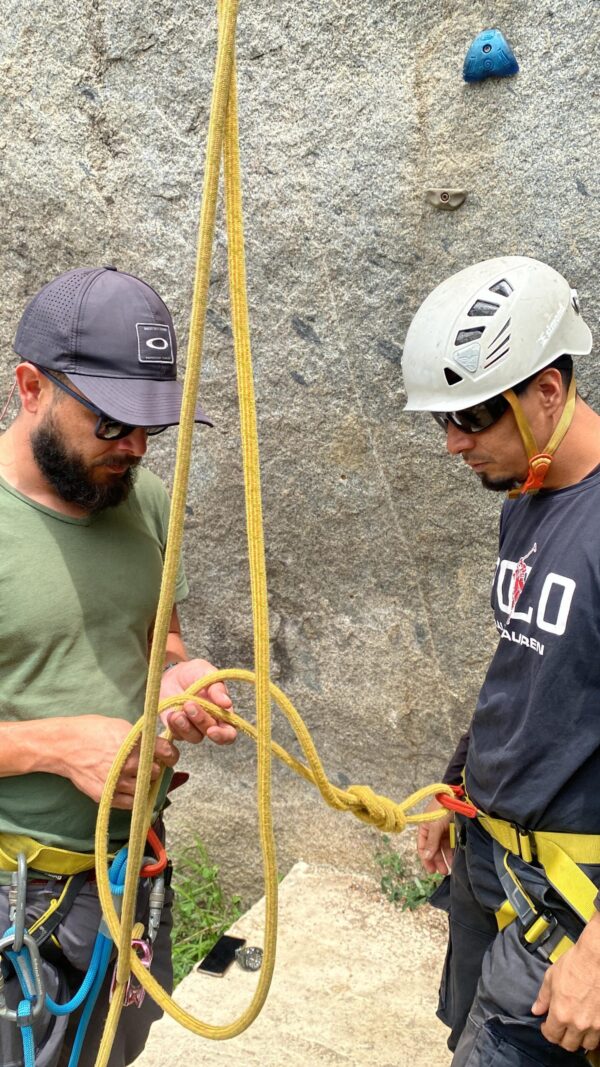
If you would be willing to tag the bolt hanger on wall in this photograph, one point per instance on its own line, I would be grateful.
(446, 199)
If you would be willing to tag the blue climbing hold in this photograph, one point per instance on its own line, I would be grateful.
(490, 56)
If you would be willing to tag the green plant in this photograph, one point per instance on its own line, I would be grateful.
(201, 911)
(398, 883)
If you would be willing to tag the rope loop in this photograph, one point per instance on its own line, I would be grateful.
(360, 800)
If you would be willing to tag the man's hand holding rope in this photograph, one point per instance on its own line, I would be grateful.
(433, 842)
(191, 723)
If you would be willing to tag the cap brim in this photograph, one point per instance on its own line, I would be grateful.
(137, 401)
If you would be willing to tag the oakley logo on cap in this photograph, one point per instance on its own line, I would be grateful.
(154, 343)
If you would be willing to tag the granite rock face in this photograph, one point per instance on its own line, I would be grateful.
(380, 548)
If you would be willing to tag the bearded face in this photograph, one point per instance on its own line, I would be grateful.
(94, 484)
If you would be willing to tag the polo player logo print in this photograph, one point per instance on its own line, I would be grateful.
(519, 579)
(154, 343)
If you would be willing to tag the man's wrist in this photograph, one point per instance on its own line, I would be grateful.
(589, 939)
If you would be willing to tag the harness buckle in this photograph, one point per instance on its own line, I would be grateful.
(542, 934)
(525, 840)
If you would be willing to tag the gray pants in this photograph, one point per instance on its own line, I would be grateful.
(500, 1029)
(490, 979)
(54, 1035)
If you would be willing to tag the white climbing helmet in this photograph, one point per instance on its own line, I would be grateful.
(486, 329)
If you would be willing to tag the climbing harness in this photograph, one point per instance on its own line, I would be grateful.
(560, 856)
(22, 949)
(60, 862)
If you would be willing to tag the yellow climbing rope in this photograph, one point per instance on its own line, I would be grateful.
(222, 143)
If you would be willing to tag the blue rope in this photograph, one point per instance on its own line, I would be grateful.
(24, 1012)
(79, 997)
(116, 876)
(90, 1003)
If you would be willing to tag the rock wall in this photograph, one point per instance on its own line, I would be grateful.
(380, 548)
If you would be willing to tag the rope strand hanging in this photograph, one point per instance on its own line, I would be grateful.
(222, 143)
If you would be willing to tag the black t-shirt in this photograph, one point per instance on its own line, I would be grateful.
(534, 747)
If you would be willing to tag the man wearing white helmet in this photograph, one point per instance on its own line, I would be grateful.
(489, 355)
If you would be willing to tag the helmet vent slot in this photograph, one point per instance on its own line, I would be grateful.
(503, 288)
(463, 337)
(493, 358)
(483, 307)
(451, 377)
(499, 334)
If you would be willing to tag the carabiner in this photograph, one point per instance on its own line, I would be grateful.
(456, 804)
(32, 983)
(155, 907)
(150, 870)
(17, 900)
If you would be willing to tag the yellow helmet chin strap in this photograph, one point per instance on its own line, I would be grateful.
(539, 462)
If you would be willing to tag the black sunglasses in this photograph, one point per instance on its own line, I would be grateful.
(107, 429)
(473, 420)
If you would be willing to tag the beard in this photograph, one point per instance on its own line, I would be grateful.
(499, 485)
(72, 478)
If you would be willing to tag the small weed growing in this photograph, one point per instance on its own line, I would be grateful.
(397, 881)
(201, 912)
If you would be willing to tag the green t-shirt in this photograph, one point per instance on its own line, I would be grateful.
(79, 597)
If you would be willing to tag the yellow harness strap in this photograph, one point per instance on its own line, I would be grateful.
(42, 859)
(580, 848)
(559, 854)
(539, 462)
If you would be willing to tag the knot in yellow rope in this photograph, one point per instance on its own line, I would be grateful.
(377, 810)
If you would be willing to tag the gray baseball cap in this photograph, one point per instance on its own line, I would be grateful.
(113, 337)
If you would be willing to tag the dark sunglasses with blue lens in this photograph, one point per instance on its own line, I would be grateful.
(473, 420)
(107, 429)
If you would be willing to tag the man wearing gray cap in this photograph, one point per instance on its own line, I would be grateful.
(83, 530)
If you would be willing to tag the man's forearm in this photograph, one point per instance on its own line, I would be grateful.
(175, 650)
(36, 745)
